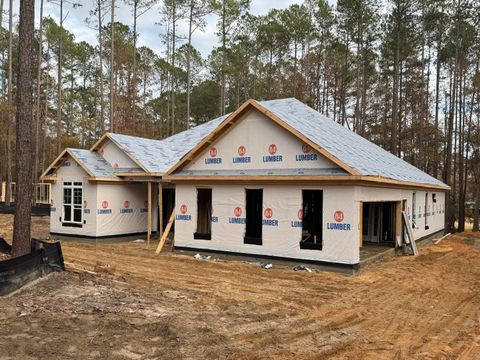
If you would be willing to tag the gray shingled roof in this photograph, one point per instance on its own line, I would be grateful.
(92, 161)
(157, 156)
(352, 149)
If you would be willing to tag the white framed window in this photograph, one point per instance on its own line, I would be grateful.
(72, 203)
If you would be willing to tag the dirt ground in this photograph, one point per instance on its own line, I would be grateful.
(141, 306)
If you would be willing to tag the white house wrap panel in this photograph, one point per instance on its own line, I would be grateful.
(70, 172)
(123, 209)
(281, 232)
(107, 210)
(116, 157)
(258, 143)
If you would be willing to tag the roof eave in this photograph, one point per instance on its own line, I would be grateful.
(336, 179)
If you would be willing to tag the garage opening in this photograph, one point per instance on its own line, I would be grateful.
(253, 227)
(378, 223)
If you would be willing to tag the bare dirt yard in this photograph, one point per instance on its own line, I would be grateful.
(133, 304)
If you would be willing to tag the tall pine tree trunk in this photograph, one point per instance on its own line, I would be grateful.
(224, 60)
(23, 198)
(59, 84)
(100, 55)
(112, 64)
(461, 156)
(3, 163)
(174, 81)
(436, 162)
(8, 144)
(134, 67)
(189, 59)
(37, 104)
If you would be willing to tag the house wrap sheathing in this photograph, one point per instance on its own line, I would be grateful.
(274, 178)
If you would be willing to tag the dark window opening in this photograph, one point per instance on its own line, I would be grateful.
(253, 227)
(204, 215)
(312, 223)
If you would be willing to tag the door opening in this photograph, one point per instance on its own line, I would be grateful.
(312, 213)
(168, 199)
(253, 227)
(204, 215)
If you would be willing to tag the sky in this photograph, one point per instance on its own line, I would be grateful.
(148, 28)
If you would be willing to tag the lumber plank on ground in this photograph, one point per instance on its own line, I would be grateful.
(411, 240)
(167, 231)
(443, 237)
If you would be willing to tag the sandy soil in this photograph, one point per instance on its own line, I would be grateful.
(141, 306)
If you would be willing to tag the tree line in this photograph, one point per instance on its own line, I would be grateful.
(401, 73)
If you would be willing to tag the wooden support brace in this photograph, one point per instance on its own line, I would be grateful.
(149, 225)
(160, 210)
(165, 234)
(411, 239)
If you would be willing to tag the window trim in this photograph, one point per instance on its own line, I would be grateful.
(71, 184)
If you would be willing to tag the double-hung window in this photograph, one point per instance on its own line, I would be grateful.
(72, 203)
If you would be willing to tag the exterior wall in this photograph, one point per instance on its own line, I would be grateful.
(339, 246)
(105, 208)
(116, 157)
(256, 133)
(71, 171)
(122, 209)
(435, 211)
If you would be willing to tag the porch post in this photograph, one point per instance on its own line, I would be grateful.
(149, 225)
(398, 223)
(160, 210)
